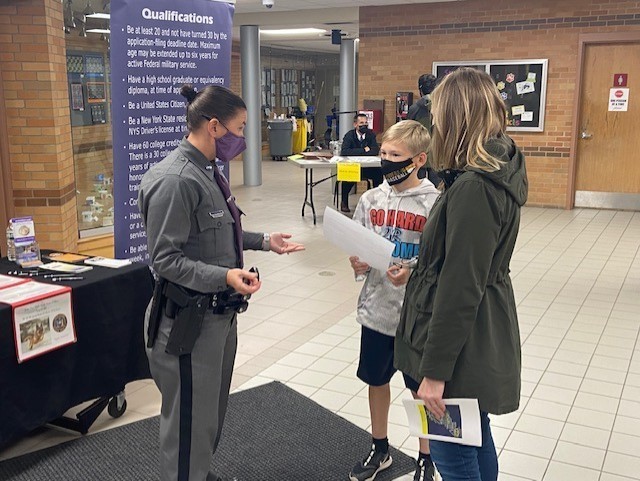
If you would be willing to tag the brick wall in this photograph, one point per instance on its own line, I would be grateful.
(32, 59)
(398, 43)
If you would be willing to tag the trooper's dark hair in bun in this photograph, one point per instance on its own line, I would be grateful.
(212, 102)
(188, 92)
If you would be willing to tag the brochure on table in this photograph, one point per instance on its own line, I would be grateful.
(24, 238)
(66, 268)
(42, 316)
(107, 262)
(460, 424)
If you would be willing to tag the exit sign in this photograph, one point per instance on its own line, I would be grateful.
(620, 80)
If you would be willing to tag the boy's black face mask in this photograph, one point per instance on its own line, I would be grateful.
(396, 172)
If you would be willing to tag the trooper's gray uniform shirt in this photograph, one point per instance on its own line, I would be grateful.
(190, 236)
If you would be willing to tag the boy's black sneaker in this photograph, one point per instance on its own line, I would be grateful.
(369, 467)
(424, 471)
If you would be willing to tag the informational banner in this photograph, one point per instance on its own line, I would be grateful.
(156, 47)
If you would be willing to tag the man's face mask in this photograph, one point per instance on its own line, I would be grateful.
(363, 129)
(397, 172)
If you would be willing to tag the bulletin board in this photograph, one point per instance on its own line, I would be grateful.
(521, 83)
(442, 69)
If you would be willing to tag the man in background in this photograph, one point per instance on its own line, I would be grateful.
(356, 142)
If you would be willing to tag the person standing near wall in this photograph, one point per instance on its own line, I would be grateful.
(195, 241)
(421, 112)
(458, 335)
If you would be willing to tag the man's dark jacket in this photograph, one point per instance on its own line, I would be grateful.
(351, 145)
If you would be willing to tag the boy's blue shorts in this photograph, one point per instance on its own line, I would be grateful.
(376, 360)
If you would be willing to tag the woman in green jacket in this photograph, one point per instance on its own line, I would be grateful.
(458, 335)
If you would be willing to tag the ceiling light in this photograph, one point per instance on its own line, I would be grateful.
(104, 16)
(98, 30)
(293, 31)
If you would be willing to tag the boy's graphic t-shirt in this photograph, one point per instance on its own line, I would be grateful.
(400, 218)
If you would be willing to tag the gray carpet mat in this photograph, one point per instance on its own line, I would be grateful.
(271, 433)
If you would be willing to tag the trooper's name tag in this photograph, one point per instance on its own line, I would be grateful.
(216, 214)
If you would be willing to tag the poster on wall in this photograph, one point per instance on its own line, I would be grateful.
(522, 85)
(156, 48)
(77, 99)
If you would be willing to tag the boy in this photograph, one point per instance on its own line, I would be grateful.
(397, 210)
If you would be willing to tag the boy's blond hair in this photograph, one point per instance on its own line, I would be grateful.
(410, 133)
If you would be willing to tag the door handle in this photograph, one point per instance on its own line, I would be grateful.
(585, 135)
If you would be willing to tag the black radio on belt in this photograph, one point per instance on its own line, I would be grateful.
(231, 299)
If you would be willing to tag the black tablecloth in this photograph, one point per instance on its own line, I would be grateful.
(108, 309)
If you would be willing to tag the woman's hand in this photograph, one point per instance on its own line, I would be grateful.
(360, 268)
(431, 392)
(398, 275)
(279, 244)
(242, 281)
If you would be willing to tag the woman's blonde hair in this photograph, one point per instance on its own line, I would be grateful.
(467, 111)
(413, 135)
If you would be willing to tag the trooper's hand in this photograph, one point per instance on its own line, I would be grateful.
(280, 245)
(242, 281)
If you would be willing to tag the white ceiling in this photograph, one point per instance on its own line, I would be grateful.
(324, 14)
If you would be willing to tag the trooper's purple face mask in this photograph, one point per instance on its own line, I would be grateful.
(229, 146)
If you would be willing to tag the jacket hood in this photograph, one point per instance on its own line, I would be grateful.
(512, 177)
(425, 187)
(424, 100)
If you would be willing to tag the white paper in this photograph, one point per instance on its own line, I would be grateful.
(106, 262)
(43, 326)
(525, 87)
(66, 268)
(357, 240)
(527, 117)
(29, 290)
(531, 77)
(363, 160)
(461, 424)
(618, 100)
(8, 281)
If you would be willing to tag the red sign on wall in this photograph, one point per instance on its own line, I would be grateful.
(620, 80)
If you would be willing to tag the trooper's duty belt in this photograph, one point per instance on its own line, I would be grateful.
(187, 308)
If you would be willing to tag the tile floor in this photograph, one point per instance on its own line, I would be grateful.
(577, 281)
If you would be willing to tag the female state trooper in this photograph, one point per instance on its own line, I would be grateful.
(195, 242)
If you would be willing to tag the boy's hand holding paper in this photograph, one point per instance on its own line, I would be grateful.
(356, 240)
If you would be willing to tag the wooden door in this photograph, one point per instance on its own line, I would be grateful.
(608, 153)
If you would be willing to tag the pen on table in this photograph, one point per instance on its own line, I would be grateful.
(59, 275)
(54, 279)
(23, 273)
